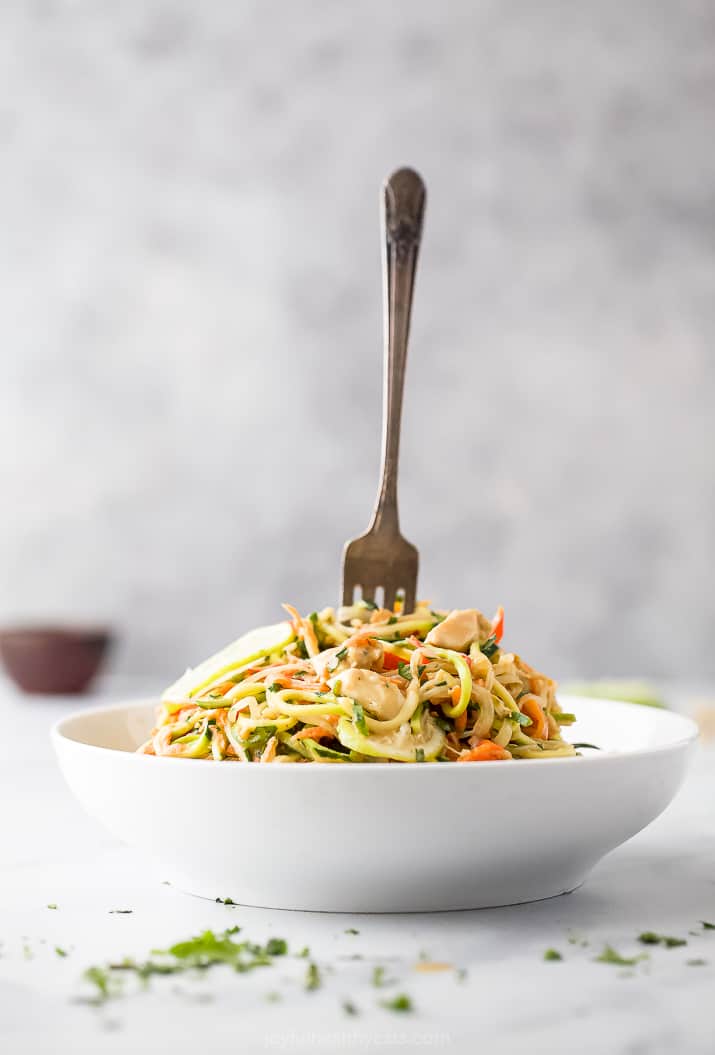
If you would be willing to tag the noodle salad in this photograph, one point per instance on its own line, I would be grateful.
(364, 684)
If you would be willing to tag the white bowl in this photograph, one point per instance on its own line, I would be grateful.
(379, 837)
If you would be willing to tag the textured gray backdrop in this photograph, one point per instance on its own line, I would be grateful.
(190, 315)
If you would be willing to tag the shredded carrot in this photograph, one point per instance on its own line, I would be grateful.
(460, 722)
(390, 661)
(539, 728)
(487, 751)
(314, 732)
(498, 624)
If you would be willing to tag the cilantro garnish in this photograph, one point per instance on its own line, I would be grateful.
(349, 1008)
(609, 955)
(522, 719)
(391, 620)
(123, 911)
(60, 952)
(489, 647)
(403, 669)
(359, 718)
(312, 977)
(352, 930)
(225, 901)
(649, 937)
(341, 654)
(52, 905)
(552, 955)
(401, 1002)
(706, 925)
(370, 605)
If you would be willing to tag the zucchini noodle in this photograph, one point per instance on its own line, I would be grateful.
(364, 684)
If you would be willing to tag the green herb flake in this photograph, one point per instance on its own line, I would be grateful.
(391, 620)
(276, 946)
(552, 955)
(649, 937)
(401, 1002)
(341, 654)
(120, 911)
(300, 648)
(304, 952)
(349, 1008)
(359, 718)
(609, 955)
(403, 669)
(489, 647)
(592, 747)
(275, 687)
(53, 906)
(378, 977)
(313, 617)
(522, 719)
(273, 998)
(60, 952)
(370, 605)
(225, 901)
(706, 925)
(312, 977)
(352, 930)
(696, 963)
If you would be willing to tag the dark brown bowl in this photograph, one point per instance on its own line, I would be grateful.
(53, 660)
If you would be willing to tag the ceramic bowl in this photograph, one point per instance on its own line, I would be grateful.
(53, 659)
(379, 837)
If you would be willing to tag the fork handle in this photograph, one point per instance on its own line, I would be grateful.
(403, 204)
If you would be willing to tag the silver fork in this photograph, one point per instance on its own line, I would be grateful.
(382, 558)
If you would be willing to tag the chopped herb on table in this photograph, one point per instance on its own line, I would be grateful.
(120, 911)
(706, 925)
(60, 952)
(224, 901)
(304, 952)
(696, 963)
(401, 1002)
(609, 955)
(312, 977)
(649, 937)
(198, 953)
(352, 930)
(52, 905)
(349, 1008)
(551, 955)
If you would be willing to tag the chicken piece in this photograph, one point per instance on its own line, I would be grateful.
(459, 630)
(380, 697)
(365, 653)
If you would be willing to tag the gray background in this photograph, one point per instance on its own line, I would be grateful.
(190, 321)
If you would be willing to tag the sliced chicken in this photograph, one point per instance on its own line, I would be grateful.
(378, 696)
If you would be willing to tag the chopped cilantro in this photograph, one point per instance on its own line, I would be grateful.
(391, 620)
(275, 687)
(592, 747)
(489, 647)
(370, 605)
(378, 977)
(60, 952)
(403, 669)
(522, 719)
(225, 901)
(696, 963)
(349, 1008)
(313, 617)
(52, 905)
(304, 952)
(359, 718)
(649, 937)
(706, 925)
(276, 946)
(300, 648)
(352, 930)
(120, 911)
(401, 1002)
(312, 977)
(609, 955)
(552, 955)
(341, 654)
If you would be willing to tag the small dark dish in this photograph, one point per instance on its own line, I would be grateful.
(53, 660)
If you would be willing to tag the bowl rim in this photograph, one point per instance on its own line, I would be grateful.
(688, 736)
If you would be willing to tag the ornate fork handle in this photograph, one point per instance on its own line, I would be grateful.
(403, 210)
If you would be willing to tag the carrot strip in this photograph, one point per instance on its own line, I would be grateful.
(539, 728)
(314, 732)
(460, 722)
(498, 624)
(487, 751)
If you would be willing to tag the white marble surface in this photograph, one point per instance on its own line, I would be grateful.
(510, 1000)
